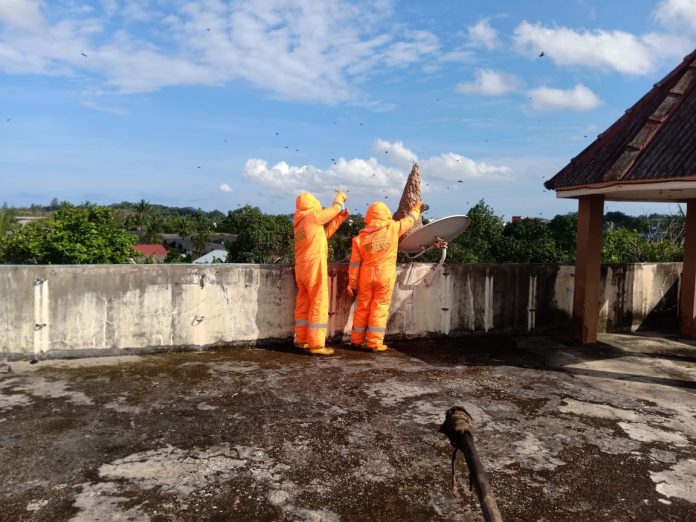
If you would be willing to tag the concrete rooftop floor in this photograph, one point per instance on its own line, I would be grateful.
(565, 432)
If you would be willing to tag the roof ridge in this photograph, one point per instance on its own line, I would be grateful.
(606, 149)
(655, 122)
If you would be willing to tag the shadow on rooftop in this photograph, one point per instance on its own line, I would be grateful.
(539, 353)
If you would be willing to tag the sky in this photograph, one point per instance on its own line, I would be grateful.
(215, 104)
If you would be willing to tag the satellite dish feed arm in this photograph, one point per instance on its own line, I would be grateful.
(442, 245)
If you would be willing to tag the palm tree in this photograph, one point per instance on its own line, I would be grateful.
(200, 238)
(154, 224)
(142, 212)
(182, 226)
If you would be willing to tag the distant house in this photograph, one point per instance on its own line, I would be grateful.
(185, 244)
(156, 252)
(214, 256)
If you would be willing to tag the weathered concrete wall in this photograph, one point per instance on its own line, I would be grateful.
(61, 310)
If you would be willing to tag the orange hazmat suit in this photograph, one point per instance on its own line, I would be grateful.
(372, 272)
(313, 226)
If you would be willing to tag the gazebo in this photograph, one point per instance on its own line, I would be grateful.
(649, 154)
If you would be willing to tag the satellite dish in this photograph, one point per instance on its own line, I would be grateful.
(446, 229)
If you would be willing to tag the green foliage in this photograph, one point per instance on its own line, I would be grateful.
(672, 227)
(176, 255)
(526, 241)
(627, 246)
(7, 222)
(620, 245)
(261, 238)
(91, 234)
(201, 232)
(660, 251)
(142, 212)
(477, 244)
(73, 235)
(152, 228)
(621, 220)
(341, 242)
(563, 229)
(182, 225)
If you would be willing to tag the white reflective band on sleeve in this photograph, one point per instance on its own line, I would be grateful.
(355, 265)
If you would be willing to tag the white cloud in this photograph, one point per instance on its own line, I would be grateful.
(612, 50)
(680, 13)
(25, 14)
(483, 35)
(398, 54)
(454, 167)
(490, 83)
(397, 152)
(358, 176)
(225, 188)
(294, 49)
(580, 98)
(370, 178)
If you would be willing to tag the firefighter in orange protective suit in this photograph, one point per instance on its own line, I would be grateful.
(372, 272)
(313, 227)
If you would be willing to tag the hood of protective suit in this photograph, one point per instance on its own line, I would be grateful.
(378, 216)
(305, 204)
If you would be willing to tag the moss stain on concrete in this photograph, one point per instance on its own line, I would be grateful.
(276, 435)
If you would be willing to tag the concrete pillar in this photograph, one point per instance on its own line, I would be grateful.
(588, 257)
(687, 294)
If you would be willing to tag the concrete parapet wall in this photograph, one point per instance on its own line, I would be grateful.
(87, 309)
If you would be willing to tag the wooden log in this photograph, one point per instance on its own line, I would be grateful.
(459, 427)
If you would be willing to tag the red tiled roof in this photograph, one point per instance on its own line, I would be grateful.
(151, 250)
(653, 141)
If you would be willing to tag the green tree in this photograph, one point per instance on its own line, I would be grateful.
(526, 241)
(673, 226)
(182, 226)
(660, 251)
(621, 220)
(152, 229)
(341, 242)
(261, 238)
(200, 239)
(73, 235)
(477, 244)
(201, 232)
(142, 212)
(8, 222)
(620, 245)
(563, 228)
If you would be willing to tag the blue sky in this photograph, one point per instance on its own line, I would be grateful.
(215, 104)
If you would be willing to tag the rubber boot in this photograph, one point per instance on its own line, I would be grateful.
(301, 346)
(380, 348)
(321, 350)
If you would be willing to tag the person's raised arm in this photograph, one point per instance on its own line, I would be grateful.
(336, 222)
(328, 213)
(409, 221)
